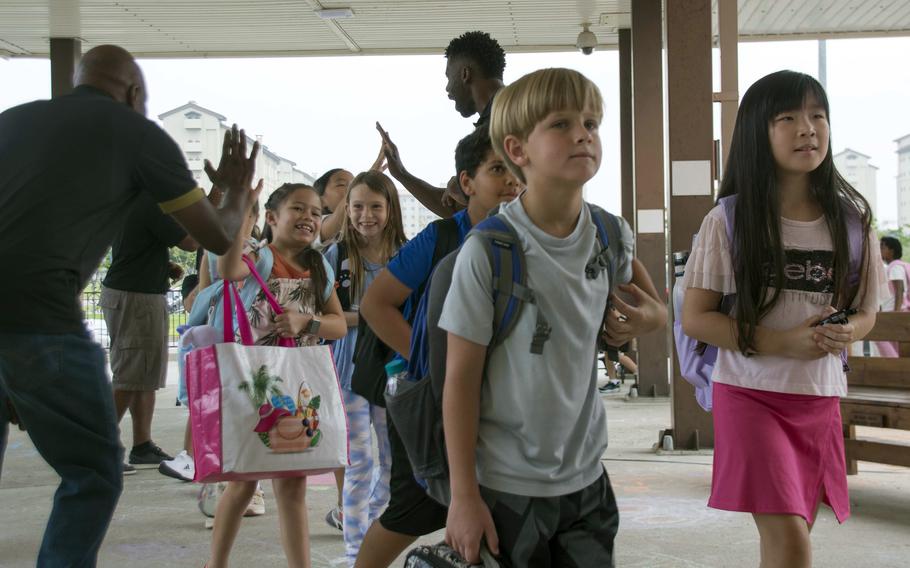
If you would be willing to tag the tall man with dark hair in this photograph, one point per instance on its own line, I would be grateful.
(70, 168)
(474, 70)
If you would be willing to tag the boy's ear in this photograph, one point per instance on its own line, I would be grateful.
(515, 150)
(466, 183)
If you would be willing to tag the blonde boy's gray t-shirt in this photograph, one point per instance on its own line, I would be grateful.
(542, 424)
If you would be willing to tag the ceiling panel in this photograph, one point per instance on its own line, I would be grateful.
(203, 28)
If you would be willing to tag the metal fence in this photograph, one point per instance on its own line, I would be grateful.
(94, 319)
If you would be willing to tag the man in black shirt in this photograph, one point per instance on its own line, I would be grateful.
(135, 309)
(70, 168)
(474, 71)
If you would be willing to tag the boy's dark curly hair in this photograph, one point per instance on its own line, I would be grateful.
(471, 151)
(481, 49)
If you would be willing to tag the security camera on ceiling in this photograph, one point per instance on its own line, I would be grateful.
(586, 41)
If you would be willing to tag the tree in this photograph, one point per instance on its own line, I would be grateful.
(262, 387)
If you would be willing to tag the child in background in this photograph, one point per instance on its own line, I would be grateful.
(897, 300)
(332, 187)
(525, 431)
(371, 233)
(302, 282)
(778, 446)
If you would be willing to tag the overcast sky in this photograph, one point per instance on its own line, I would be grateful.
(319, 112)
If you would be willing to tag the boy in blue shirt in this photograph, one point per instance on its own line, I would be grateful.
(486, 180)
(525, 432)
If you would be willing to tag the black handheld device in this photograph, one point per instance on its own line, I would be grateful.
(837, 317)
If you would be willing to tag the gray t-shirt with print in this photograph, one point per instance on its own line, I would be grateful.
(542, 424)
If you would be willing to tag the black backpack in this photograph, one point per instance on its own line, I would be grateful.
(370, 353)
(416, 409)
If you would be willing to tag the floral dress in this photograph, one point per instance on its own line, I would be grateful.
(294, 291)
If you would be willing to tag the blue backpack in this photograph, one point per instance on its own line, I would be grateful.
(416, 409)
(696, 359)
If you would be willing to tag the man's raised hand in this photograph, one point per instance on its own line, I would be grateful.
(235, 169)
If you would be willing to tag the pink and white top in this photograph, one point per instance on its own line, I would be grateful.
(807, 291)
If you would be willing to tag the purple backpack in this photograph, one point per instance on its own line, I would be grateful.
(696, 359)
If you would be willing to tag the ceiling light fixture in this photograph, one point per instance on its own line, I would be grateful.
(335, 14)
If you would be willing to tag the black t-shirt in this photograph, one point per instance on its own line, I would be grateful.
(140, 258)
(70, 168)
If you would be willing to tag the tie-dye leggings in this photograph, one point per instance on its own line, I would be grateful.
(366, 481)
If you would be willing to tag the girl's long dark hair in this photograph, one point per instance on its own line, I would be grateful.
(750, 174)
(309, 258)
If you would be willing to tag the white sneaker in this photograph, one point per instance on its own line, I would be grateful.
(256, 507)
(181, 467)
(208, 498)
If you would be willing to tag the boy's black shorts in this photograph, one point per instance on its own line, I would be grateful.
(411, 511)
(574, 530)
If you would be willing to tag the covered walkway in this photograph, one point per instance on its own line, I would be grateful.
(669, 166)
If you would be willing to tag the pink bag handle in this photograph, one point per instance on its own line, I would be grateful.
(276, 307)
(229, 292)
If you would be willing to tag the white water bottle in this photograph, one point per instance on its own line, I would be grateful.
(397, 373)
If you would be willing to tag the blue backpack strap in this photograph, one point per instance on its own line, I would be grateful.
(419, 357)
(510, 290)
(248, 291)
(609, 245)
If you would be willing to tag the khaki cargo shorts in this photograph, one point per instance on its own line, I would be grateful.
(138, 326)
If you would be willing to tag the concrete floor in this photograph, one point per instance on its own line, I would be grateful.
(664, 520)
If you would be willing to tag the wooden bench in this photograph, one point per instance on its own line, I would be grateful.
(878, 395)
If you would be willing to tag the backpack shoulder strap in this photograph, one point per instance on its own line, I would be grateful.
(509, 272)
(855, 240)
(610, 245)
(446, 238)
(344, 294)
(342, 255)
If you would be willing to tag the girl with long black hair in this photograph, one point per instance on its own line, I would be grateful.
(802, 249)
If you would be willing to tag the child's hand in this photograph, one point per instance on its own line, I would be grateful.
(291, 324)
(379, 164)
(626, 321)
(799, 342)
(454, 196)
(469, 521)
(393, 159)
(833, 338)
(174, 271)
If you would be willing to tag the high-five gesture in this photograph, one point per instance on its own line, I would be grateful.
(379, 164)
(235, 171)
(433, 198)
(390, 152)
(216, 194)
(217, 220)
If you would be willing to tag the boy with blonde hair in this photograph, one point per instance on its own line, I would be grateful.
(525, 432)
